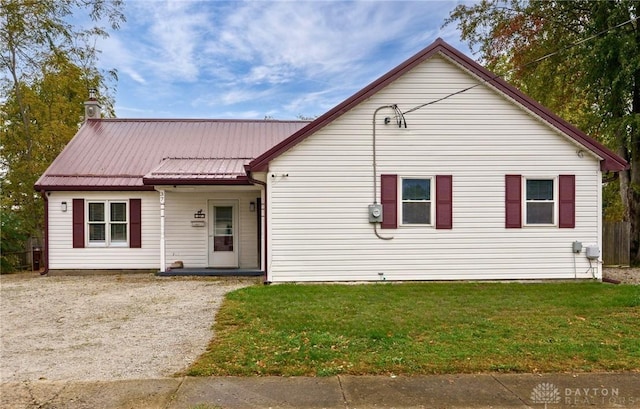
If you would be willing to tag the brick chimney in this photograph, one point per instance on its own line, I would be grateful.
(92, 109)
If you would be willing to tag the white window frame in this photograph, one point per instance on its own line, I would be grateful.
(107, 242)
(554, 180)
(432, 201)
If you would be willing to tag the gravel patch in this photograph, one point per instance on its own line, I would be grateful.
(624, 275)
(105, 327)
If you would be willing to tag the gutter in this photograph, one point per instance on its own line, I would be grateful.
(265, 237)
(45, 197)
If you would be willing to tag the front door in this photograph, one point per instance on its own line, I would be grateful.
(223, 234)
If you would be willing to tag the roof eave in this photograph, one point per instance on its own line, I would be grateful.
(239, 180)
(611, 165)
(90, 188)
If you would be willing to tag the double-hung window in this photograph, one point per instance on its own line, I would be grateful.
(416, 201)
(540, 201)
(107, 223)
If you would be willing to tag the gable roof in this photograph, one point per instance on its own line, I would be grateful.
(133, 154)
(609, 160)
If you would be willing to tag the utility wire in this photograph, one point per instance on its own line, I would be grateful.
(537, 60)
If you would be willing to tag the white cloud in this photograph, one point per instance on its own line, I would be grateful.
(236, 96)
(134, 75)
(118, 56)
(244, 114)
(281, 57)
(313, 103)
(161, 38)
(177, 30)
(313, 38)
(269, 74)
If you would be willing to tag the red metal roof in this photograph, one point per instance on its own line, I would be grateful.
(118, 153)
(610, 161)
(178, 170)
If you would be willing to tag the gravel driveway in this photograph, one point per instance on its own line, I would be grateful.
(105, 327)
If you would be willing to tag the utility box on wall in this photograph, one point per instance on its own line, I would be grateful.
(593, 252)
(577, 246)
(375, 213)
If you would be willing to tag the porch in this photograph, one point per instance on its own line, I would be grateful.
(210, 272)
(211, 231)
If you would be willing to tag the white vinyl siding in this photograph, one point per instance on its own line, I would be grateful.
(62, 255)
(318, 219)
(184, 242)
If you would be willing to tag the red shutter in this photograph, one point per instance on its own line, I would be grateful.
(444, 202)
(513, 201)
(135, 223)
(78, 223)
(389, 200)
(567, 201)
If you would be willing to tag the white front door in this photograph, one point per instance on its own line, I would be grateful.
(223, 234)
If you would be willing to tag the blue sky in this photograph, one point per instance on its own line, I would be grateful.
(249, 60)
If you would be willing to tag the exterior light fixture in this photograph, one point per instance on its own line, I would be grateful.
(63, 206)
(252, 206)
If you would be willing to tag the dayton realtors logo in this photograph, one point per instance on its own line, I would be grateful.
(546, 393)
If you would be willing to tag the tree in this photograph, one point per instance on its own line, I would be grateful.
(31, 31)
(47, 67)
(54, 101)
(581, 59)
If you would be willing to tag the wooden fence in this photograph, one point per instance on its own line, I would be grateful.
(616, 243)
(30, 258)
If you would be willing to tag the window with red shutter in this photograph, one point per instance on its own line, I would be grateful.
(419, 198)
(107, 223)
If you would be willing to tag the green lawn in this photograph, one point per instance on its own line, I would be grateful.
(425, 328)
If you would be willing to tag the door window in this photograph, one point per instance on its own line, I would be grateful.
(223, 228)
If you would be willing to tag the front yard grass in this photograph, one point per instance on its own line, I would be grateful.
(425, 328)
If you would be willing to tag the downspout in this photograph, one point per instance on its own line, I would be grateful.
(264, 235)
(46, 232)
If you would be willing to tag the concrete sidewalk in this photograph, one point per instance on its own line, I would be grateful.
(600, 390)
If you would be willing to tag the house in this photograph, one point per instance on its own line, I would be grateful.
(438, 170)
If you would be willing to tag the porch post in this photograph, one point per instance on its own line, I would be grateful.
(162, 238)
(263, 228)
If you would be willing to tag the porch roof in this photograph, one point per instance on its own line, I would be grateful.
(198, 171)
